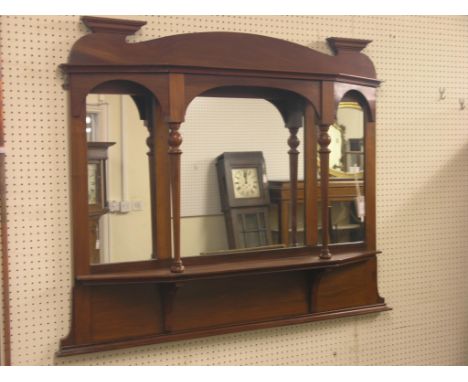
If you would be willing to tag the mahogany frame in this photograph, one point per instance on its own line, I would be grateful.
(169, 298)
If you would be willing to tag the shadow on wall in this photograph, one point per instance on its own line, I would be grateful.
(424, 240)
(434, 209)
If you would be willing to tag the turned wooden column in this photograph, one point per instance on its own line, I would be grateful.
(324, 151)
(293, 143)
(175, 140)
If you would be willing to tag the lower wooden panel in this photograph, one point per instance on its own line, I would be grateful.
(202, 304)
(149, 340)
(122, 315)
(124, 311)
(350, 286)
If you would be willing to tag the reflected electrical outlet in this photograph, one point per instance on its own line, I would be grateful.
(137, 205)
(125, 206)
(114, 206)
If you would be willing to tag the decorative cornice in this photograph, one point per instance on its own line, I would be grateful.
(164, 69)
(115, 26)
(339, 44)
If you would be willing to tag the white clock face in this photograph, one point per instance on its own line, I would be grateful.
(245, 182)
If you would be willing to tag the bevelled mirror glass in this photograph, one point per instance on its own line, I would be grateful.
(346, 184)
(118, 180)
(235, 178)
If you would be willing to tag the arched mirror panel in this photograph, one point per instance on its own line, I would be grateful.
(347, 174)
(118, 180)
(119, 160)
(235, 154)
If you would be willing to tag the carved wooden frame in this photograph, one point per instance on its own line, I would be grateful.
(169, 298)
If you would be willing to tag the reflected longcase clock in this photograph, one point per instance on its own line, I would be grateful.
(243, 187)
(97, 194)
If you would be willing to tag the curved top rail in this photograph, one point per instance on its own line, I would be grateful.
(106, 46)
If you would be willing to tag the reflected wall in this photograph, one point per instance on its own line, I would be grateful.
(123, 232)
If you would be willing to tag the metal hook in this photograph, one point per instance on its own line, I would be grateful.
(462, 103)
(441, 93)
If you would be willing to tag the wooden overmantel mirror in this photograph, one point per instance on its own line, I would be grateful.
(128, 104)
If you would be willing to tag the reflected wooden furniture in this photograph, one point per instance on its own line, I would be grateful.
(280, 194)
(243, 190)
(97, 154)
(94, 246)
(168, 298)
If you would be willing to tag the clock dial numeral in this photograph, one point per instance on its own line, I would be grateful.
(245, 181)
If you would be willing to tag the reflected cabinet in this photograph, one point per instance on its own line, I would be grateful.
(220, 182)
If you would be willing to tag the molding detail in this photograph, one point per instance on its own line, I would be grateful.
(341, 44)
(117, 26)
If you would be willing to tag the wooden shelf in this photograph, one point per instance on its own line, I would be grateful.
(220, 266)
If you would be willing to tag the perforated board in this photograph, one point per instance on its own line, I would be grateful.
(422, 198)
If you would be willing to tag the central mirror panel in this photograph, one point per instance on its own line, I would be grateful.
(119, 202)
(235, 163)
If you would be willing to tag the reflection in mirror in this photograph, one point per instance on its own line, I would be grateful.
(118, 180)
(235, 177)
(347, 141)
(346, 186)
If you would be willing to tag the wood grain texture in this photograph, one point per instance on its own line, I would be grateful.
(324, 152)
(221, 302)
(179, 336)
(222, 266)
(138, 303)
(223, 50)
(199, 308)
(354, 285)
(293, 152)
(310, 179)
(175, 140)
(130, 309)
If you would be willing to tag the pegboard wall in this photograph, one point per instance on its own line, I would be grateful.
(422, 196)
